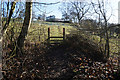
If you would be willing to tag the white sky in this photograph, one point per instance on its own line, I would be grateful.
(57, 13)
(114, 4)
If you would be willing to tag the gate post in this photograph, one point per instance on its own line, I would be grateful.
(63, 33)
(48, 35)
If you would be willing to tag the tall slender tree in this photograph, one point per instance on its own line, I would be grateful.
(10, 15)
(101, 10)
(26, 25)
(7, 7)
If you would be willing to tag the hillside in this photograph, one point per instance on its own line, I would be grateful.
(79, 56)
(74, 58)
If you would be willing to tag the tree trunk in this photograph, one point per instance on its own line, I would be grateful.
(3, 9)
(10, 15)
(26, 24)
(7, 8)
(107, 51)
(118, 43)
(107, 45)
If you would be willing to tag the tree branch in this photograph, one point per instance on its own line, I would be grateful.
(47, 3)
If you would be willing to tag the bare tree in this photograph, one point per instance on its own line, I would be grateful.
(7, 7)
(65, 9)
(26, 25)
(101, 10)
(10, 15)
(75, 10)
(99, 17)
(3, 9)
(81, 9)
(20, 10)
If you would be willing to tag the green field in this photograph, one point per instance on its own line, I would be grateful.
(38, 33)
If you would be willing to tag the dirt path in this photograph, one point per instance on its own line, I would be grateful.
(58, 64)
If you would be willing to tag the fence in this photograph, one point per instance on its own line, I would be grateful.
(55, 41)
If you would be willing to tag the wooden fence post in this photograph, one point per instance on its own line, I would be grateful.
(63, 33)
(48, 35)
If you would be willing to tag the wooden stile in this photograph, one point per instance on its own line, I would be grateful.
(55, 41)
